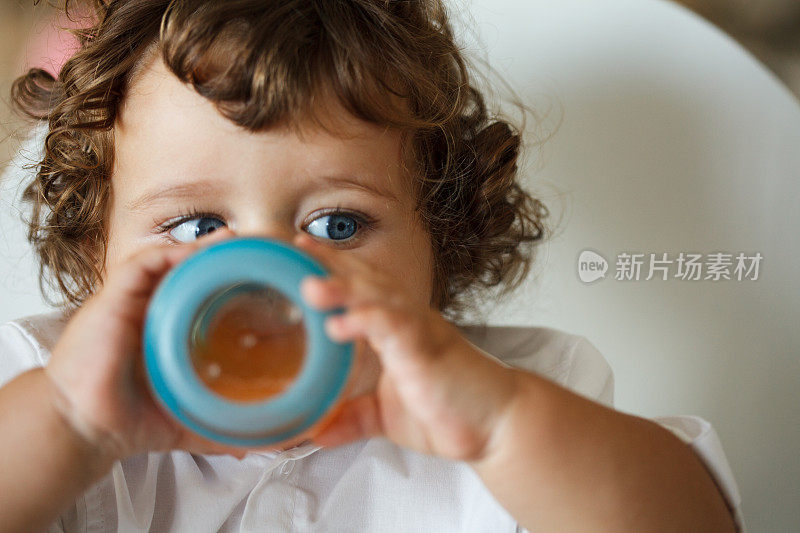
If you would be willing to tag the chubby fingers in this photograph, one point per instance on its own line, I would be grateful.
(136, 277)
(339, 291)
(372, 310)
(377, 309)
(351, 280)
(341, 263)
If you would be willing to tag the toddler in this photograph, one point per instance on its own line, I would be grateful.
(351, 129)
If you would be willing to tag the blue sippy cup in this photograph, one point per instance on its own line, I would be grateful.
(244, 291)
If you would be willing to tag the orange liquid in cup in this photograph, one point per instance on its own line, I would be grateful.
(251, 351)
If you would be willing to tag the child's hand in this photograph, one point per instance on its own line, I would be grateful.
(437, 393)
(96, 365)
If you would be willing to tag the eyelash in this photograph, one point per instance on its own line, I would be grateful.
(365, 223)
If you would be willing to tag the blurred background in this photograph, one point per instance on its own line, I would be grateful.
(29, 36)
(672, 138)
(770, 29)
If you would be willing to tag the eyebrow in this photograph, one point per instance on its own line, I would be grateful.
(195, 189)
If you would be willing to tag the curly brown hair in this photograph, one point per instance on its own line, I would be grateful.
(264, 64)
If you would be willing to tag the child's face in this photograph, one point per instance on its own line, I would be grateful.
(269, 184)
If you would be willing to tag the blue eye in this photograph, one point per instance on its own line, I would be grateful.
(340, 226)
(335, 226)
(194, 228)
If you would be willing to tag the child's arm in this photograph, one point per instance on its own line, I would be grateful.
(560, 462)
(555, 460)
(44, 463)
(63, 425)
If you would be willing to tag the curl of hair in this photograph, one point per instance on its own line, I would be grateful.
(269, 64)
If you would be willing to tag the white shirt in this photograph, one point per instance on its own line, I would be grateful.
(368, 485)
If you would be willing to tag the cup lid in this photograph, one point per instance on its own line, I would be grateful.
(243, 262)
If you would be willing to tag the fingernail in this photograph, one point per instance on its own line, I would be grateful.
(334, 326)
(313, 280)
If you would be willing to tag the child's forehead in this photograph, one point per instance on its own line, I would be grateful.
(166, 131)
(155, 90)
